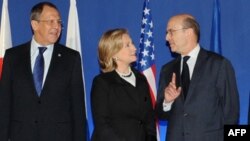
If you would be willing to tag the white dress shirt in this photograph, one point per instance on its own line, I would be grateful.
(47, 55)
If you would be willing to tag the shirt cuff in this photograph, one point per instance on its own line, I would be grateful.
(167, 106)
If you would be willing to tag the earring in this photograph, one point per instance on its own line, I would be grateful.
(115, 59)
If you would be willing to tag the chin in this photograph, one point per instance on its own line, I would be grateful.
(173, 50)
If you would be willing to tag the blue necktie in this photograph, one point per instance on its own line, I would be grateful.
(38, 70)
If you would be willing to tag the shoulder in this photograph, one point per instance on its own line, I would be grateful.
(212, 56)
(18, 51)
(19, 48)
(215, 60)
(138, 74)
(171, 64)
(107, 77)
(66, 50)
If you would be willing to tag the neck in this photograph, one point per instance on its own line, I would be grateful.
(125, 73)
(124, 70)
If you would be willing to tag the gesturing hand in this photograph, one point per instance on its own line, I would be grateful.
(171, 92)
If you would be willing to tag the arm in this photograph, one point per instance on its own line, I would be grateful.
(229, 93)
(5, 98)
(101, 112)
(167, 93)
(150, 115)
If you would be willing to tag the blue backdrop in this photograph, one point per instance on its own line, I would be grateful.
(97, 16)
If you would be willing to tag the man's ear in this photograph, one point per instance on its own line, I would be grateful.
(34, 24)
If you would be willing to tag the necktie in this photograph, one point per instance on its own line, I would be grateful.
(38, 70)
(185, 77)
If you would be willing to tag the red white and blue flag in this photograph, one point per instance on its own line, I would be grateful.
(146, 59)
(5, 33)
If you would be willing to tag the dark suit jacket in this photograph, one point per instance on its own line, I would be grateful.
(122, 112)
(58, 114)
(212, 100)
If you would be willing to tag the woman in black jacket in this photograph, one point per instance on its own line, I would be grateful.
(120, 97)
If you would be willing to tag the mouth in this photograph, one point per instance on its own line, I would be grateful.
(133, 54)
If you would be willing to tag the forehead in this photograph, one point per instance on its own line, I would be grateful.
(126, 37)
(49, 12)
(175, 22)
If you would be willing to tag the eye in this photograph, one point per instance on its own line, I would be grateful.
(127, 45)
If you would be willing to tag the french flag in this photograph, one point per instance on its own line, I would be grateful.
(5, 33)
(73, 40)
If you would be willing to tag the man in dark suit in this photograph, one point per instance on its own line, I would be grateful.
(199, 105)
(56, 110)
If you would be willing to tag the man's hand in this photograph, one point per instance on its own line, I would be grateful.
(171, 92)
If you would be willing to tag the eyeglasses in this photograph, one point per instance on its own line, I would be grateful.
(51, 22)
(171, 31)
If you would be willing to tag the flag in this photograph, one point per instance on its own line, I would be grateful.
(146, 59)
(5, 33)
(215, 32)
(73, 40)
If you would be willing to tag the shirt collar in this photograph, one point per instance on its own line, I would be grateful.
(35, 45)
(194, 53)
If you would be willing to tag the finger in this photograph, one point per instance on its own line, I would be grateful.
(172, 85)
(171, 91)
(173, 78)
(179, 90)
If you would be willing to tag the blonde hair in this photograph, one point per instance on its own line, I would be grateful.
(110, 44)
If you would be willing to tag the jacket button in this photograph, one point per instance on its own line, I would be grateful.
(185, 114)
(140, 122)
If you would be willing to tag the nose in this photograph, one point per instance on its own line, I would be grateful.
(57, 24)
(167, 37)
(135, 48)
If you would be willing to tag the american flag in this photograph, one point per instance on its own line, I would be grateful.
(146, 59)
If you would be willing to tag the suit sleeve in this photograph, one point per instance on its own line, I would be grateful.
(160, 96)
(78, 102)
(5, 98)
(100, 111)
(150, 116)
(229, 93)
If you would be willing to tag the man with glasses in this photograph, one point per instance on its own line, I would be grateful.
(197, 91)
(41, 90)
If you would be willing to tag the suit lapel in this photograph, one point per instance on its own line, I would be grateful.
(54, 67)
(128, 88)
(197, 73)
(26, 64)
(177, 69)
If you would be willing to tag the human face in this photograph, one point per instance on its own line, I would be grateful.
(176, 35)
(47, 28)
(127, 54)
